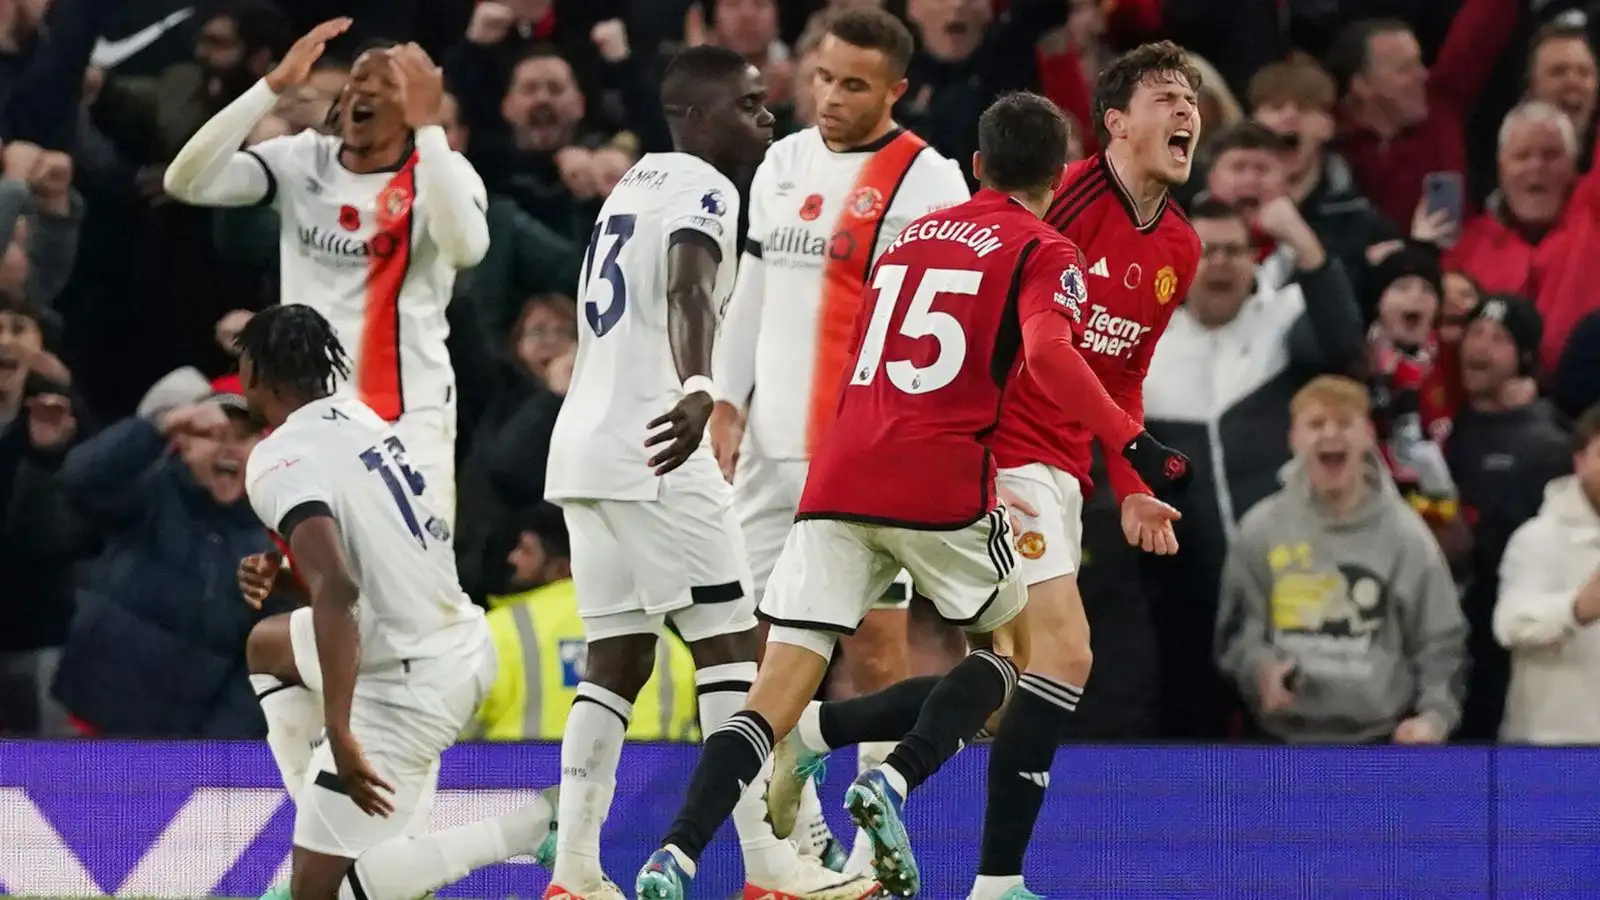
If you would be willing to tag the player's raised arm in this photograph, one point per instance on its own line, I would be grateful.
(457, 201)
(211, 170)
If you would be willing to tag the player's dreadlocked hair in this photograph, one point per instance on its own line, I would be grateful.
(293, 349)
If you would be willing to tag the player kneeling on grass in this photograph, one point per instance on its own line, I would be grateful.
(391, 649)
(904, 479)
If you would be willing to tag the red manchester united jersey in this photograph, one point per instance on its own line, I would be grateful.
(1137, 274)
(938, 338)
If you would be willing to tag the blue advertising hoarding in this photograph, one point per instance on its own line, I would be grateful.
(198, 819)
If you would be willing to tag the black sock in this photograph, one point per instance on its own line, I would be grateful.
(729, 762)
(1019, 770)
(888, 715)
(956, 708)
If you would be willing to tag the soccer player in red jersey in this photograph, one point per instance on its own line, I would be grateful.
(1141, 257)
(904, 478)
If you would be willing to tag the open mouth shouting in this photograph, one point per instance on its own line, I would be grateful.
(1180, 144)
(362, 111)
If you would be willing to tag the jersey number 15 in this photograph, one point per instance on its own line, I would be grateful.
(413, 486)
(921, 320)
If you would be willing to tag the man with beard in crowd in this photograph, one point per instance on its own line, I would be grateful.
(1504, 448)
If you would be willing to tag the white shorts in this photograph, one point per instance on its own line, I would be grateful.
(830, 571)
(404, 717)
(635, 562)
(429, 436)
(766, 494)
(1049, 544)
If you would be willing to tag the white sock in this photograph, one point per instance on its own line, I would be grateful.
(410, 867)
(294, 722)
(869, 756)
(767, 860)
(591, 748)
(809, 731)
(992, 887)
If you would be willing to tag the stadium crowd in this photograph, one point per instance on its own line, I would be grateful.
(1400, 192)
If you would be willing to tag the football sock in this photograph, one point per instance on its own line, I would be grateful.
(1019, 770)
(294, 722)
(888, 715)
(721, 690)
(591, 748)
(409, 867)
(956, 708)
(731, 761)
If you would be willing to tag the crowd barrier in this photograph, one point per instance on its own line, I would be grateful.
(203, 819)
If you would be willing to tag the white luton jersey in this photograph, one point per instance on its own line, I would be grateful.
(819, 220)
(357, 249)
(338, 453)
(624, 375)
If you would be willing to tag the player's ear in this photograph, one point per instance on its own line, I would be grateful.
(1059, 180)
(1116, 123)
(977, 166)
(898, 90)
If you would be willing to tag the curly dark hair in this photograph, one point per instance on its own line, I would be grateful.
(293, 350)
(1158, 61)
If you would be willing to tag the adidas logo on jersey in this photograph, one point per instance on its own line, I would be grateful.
(1099, 268)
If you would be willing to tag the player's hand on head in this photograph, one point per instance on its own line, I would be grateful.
(727, 433)
(258, 575)
(295, 67)
(228, 328)
(1147, 524)
(367, 789)
(421, 85)
(679, 432)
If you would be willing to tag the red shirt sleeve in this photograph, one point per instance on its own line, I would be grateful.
(1050, 310)
(1127, 386)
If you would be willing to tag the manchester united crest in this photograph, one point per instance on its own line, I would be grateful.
(865, 203)
(394, 202)
(1166, 284)
(1030, 544)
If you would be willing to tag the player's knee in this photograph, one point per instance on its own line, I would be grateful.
(875, 656)
(621, 664)
(722, 649)
(269, 651)
(1058, 632)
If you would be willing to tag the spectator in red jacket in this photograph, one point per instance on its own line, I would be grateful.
(1539, 230)
(1402, 120)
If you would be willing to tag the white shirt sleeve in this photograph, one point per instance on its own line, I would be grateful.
(1533, 610)
(282, 478)
(455, 197)
(211, 170)
(709, 206)
(733, 361)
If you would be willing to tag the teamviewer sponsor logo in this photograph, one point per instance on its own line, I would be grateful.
(1111, 335)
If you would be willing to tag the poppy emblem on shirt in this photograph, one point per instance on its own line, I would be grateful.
(811, 207)
(1166, 284)
(349, 219)
(1030, 544)
(1175, 468)
(865, 203)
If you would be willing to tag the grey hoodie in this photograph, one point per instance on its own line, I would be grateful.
(1365, 606)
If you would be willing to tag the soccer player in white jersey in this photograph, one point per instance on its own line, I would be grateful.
(397, 653)
(653, 535)
(376, 221)
(824, 205)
